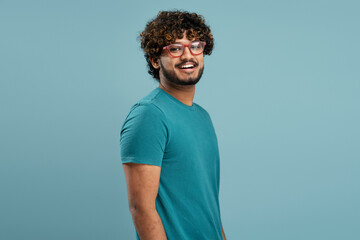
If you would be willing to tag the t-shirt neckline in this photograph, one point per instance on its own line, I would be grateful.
(178, 102)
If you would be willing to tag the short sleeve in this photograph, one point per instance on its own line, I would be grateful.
(143, 135)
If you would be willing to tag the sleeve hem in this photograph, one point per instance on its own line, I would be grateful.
(141, 161)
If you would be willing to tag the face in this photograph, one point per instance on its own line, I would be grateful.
(184, 70)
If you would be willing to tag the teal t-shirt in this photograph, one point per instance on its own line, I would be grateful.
(160, 130)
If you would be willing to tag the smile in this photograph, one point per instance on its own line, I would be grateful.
(187, 66)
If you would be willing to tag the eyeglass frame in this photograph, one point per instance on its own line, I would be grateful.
(186, 45)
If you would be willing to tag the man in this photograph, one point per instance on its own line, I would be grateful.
(168, 144)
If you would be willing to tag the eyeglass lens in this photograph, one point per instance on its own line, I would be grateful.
(178, 49)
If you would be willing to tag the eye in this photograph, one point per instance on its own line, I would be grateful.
(175, 48)
(196, 45)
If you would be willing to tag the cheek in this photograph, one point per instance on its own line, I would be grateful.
(201, 60)
(168, 64)
(201, 63)
(165, 60)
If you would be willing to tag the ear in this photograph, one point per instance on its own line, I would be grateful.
(155, 62)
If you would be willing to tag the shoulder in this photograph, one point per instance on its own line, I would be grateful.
(144, 122)
(145, 111)
(149, 104)
(200, 107)
(202, 110)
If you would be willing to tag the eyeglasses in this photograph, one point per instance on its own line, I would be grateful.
(178, 49)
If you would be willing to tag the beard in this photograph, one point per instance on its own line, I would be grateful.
(173, 78)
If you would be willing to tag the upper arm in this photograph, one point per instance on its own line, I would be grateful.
(142, 183)
(142, 144)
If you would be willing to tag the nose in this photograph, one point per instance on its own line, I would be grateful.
(187, 54)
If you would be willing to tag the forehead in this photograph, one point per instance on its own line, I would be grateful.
(185, 40)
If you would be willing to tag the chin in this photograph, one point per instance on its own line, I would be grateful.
(190, 81)
(174, 78)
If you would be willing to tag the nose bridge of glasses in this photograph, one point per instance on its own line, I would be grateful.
(187, 49)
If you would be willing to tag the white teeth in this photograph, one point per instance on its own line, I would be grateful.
(187, 66)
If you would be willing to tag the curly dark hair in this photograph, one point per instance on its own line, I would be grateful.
(168, 26)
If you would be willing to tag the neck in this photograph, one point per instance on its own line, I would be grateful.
(184, 94)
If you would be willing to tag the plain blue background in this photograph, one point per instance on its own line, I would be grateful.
(282, 87)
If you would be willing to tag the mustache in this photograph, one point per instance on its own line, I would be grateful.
(187, 61)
